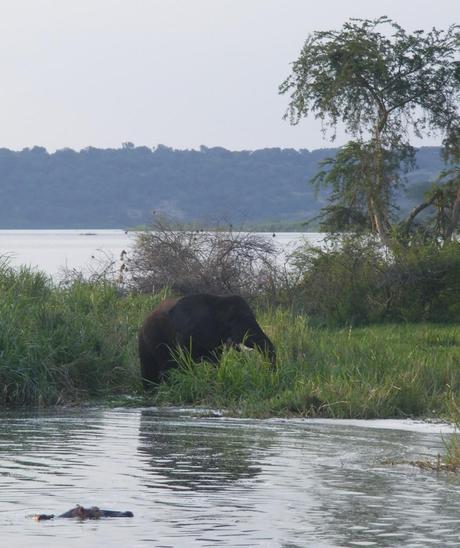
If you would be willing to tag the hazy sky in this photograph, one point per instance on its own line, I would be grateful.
(182, 73)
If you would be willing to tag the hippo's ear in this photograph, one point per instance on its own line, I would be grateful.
(80, 511)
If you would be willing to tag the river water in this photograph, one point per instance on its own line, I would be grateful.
(54, 251)
(198, 480)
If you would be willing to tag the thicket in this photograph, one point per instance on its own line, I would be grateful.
(353, 279)
(186, 261)
(357, 280)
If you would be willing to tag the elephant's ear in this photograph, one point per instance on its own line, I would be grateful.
(225, 319)
(226, 312)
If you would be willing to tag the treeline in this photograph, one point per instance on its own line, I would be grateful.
(112, 188)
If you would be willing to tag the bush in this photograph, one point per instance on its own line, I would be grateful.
(193, 261)
(339, 284)
(422, 283)
(356, 280)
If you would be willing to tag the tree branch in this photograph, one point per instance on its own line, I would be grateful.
(418, 209)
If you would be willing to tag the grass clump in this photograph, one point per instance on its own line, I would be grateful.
(60, 344)
(449, 462)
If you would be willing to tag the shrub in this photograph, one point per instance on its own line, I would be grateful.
(339, 284)
(194, 261)
(422, 283)
(356, 280)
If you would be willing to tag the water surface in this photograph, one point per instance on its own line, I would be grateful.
(194, 480)
(88, 250)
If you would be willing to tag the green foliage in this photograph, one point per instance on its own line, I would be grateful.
(381, 83)
(61, 344)
(361, 76)
(349, 175)
(339, 285)
(380, 371)
(357, 280)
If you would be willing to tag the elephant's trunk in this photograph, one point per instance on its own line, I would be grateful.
(263, 343)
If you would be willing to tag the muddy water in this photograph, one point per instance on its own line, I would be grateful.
(193, 480)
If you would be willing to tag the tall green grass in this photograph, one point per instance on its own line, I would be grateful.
(64, 344)
(368, 372)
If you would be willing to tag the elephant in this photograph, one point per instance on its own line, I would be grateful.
(201, 323)
(86, 513)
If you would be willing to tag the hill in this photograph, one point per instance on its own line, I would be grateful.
(113, 188)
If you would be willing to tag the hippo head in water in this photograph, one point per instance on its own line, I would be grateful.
(86, 513)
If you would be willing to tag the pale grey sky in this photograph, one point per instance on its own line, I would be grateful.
(77, 73)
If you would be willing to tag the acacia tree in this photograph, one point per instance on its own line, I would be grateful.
(382, 83)
(350, 175)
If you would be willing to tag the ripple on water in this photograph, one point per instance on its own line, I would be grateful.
(196, 481)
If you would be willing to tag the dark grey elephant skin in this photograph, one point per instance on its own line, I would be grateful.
(200, 323)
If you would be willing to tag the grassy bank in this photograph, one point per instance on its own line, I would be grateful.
(62, 344)
(379, 371)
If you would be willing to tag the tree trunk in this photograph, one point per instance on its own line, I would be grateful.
(455, 216)
(377, 197)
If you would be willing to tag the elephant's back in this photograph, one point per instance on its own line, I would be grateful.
(193, 312)
(200, 317)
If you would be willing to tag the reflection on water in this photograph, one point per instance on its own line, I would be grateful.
(197, 481)
(197, 458)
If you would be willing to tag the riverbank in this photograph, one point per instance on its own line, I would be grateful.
(383, 371)
(67, 343)
(79, 342)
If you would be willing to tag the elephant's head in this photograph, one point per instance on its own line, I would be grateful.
(242, 327)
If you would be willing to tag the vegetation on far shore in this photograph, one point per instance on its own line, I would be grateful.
(119, 188)
(269, 225)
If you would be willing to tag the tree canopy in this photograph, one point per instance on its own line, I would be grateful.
(383, 84)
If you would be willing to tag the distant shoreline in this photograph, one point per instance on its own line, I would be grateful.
(263, 227)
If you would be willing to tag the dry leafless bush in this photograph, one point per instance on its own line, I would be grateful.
(103, 268)
(191, 261)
